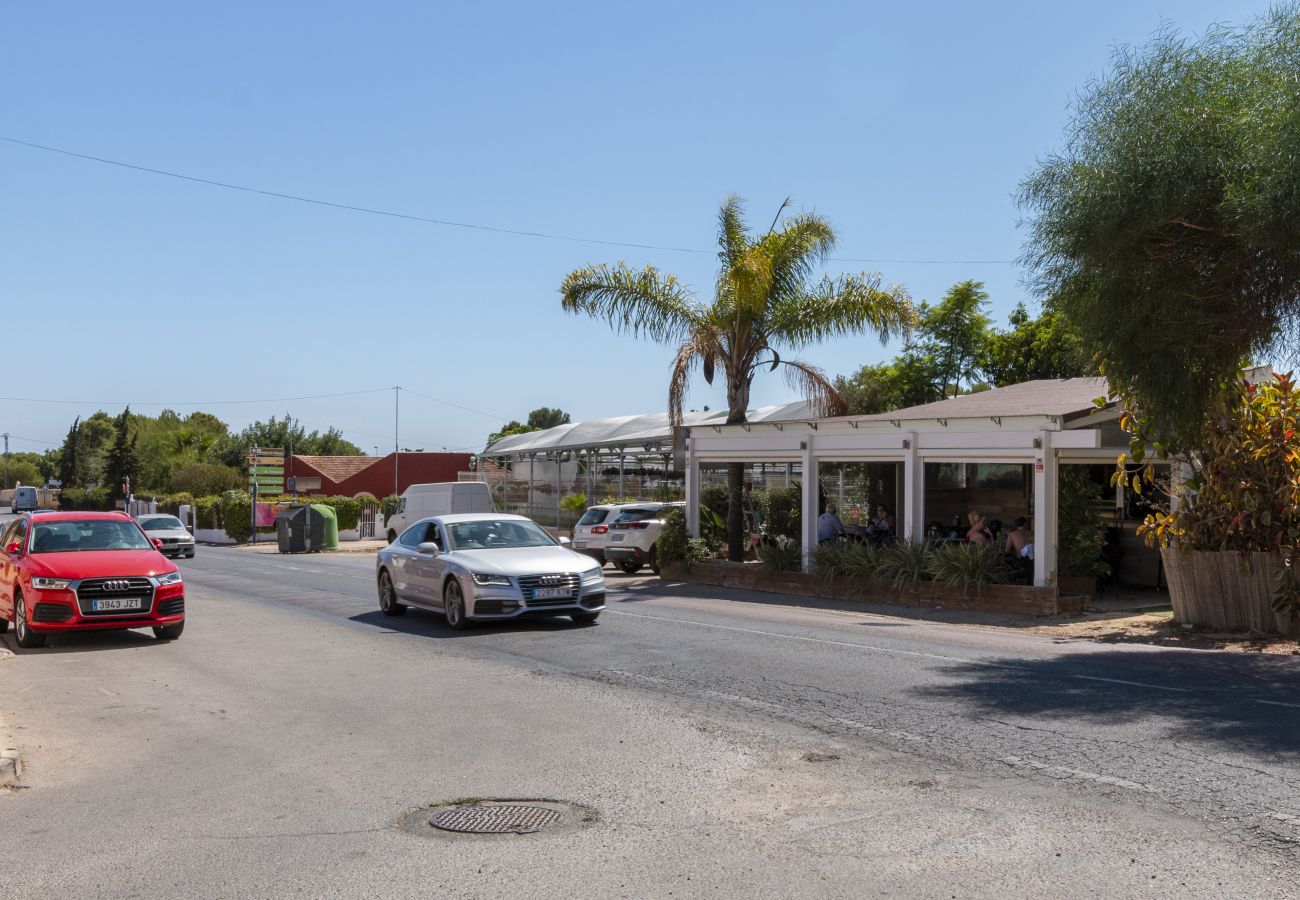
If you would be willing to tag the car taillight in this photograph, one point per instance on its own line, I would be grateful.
(599, 529)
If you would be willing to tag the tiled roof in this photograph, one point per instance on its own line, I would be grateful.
(1064, 397)
(339, 468)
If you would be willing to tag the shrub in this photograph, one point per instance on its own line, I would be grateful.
(1079, 529)
(200, 479)
(782, 554)
(208, 511)
(81, 499)
(905, 563)
(574, 502)
(783, 512)
(969, 565)
(237, 515)
(388, 506)
(714, 497)
(846, 558)
(673, 544)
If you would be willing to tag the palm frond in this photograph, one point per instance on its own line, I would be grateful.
(840, 306)
(812, 383)
(732, 236)
(638, 302)
(694, 350)
(795, 252)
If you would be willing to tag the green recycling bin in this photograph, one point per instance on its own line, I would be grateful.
(331, 526)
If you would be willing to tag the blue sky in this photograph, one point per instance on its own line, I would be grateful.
(908, 125)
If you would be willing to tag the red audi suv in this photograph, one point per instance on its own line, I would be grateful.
(76, 571)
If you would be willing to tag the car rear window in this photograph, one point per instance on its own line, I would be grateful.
(594, 516)
(639, 514)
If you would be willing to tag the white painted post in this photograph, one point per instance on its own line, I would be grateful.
(692, 490)
(809, 518)
(1046, 487)
(913, 511)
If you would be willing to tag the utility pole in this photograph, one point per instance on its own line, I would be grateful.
(397, 452)
(6, 476)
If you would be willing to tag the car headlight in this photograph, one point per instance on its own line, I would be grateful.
(591, 576)
(169, 578)
(486, 580)
(50, 584)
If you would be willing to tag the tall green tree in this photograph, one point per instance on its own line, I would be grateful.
(1046, 346)
(122, 463)
(70, 473)
(766, 300)
(1166, 227)
(953, 335)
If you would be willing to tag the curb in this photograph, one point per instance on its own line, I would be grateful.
(11, 768)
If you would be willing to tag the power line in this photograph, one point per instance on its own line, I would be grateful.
(450, 223)
(477, 412)
(192, 402)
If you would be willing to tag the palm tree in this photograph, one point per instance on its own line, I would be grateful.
(765, 297)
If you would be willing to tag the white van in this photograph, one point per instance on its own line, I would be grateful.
(438, 499)
(25, 499)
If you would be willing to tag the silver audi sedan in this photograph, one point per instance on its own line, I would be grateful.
(487, 566)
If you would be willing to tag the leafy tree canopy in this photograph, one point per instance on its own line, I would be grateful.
(538, 420)
(1165, 228)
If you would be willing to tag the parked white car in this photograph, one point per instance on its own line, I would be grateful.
(633, 536)
(591, 534)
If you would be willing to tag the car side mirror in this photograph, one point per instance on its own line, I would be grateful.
(157, 543)
(14, 548)
(428, 548)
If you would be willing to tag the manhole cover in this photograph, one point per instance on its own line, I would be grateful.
(495, 819)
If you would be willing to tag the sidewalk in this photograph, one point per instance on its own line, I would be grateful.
(266, 544)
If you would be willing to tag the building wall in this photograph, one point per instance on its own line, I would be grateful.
(377, 479)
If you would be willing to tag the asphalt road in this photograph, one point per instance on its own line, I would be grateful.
(726, 744)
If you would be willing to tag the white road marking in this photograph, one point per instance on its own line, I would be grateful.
(1279, 703)
(1079, 773)
(1141, 684)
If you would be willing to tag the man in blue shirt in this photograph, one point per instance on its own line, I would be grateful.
(829, 526)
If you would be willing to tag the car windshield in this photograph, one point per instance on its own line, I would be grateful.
(161, 523)
(497, 533)
(87, 534)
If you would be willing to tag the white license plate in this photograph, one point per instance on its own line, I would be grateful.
(116, 603)
(617, 537)
(579, 545)
(552, 593)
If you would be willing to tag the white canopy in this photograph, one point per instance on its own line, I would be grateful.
(648, 433)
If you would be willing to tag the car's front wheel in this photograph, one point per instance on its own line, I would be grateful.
(23, 634)
(392, 536)
(389, 605)
(169, 632)
(453, 604)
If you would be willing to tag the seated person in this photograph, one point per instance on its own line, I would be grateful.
(979, 531)
(1020, 538)
(882, 522)
(829, 526)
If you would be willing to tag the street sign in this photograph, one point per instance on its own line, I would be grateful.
(266, 470)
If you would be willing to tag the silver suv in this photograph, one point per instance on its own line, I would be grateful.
(633, 535)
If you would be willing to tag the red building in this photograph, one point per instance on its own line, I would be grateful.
(352, 475)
